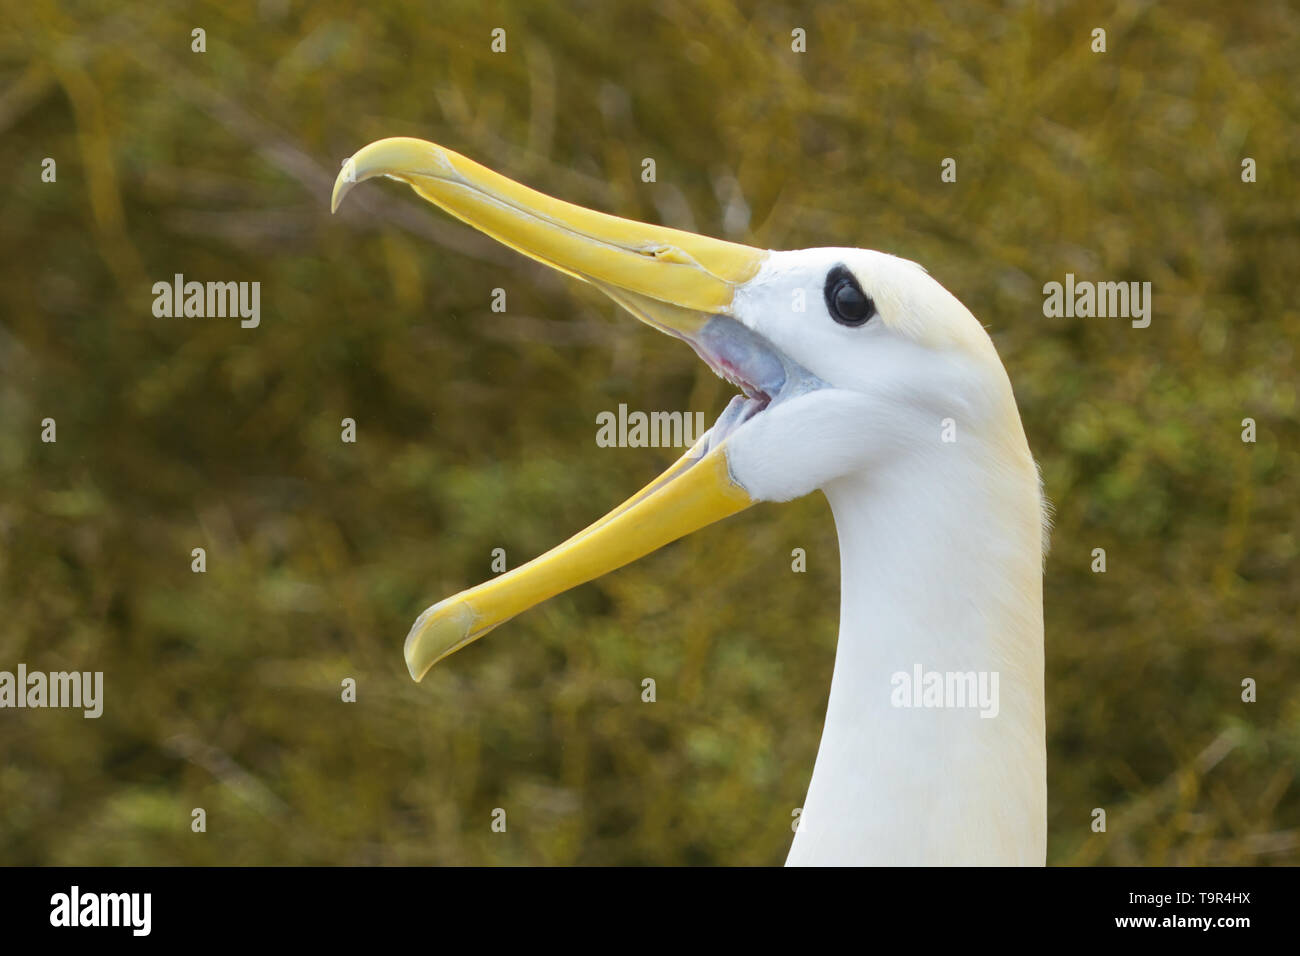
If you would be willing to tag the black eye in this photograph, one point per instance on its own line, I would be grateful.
(845, 300)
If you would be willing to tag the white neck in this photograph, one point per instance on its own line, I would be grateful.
(941, 568)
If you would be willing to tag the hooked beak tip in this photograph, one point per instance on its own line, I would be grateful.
(441, 630)
(343, 183)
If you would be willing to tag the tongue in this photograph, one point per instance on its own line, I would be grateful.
(738, 411)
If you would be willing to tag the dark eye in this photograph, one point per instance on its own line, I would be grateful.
(845, 300)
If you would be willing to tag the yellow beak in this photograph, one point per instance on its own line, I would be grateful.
(673, 280)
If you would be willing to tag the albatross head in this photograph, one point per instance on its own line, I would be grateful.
(848, 362)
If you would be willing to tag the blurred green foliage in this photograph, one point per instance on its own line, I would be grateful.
(476, 430)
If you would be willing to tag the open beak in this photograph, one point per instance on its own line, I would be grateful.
(678, 282)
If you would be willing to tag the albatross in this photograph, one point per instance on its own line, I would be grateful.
(862, 377)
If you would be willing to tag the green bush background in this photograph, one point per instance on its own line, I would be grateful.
(476, 430)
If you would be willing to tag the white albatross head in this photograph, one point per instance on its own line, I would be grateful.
(848, 361)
